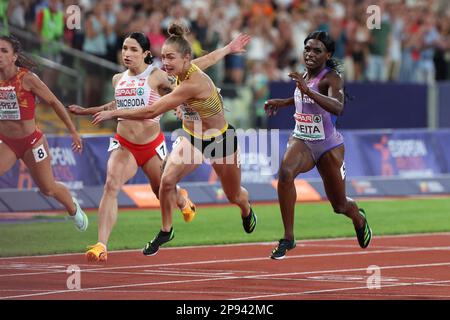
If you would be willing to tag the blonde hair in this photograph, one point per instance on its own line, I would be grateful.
(176, 36)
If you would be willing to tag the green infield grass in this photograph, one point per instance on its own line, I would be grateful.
(223, 225)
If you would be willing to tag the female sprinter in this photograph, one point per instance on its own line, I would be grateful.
(140, 142)
(318, 100)
(20, 138)
(206, 133)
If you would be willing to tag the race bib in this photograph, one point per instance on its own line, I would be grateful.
(39, 153)
(189, 113)
(161, 150)
(113, 144)
(309, 126)
(9, 105)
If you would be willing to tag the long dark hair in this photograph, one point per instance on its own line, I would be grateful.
(144, 42)
(22, 60)
(329, 44)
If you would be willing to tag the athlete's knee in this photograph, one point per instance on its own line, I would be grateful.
(285, 175)
(112, 185)
(168, 183)
(49, 191)
(235, 196)
(340, 207)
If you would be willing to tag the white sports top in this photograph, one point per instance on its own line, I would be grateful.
(134, 92)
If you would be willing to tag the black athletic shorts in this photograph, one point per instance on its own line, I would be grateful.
(218, 147)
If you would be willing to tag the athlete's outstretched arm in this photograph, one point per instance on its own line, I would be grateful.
(237, 45)
(271, 106)
(81, 111)
(41, 90)
(168, 102)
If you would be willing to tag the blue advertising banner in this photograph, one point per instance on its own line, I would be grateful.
(404, 153)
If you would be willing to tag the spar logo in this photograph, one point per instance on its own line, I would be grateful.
(130, 92)
(308, 118)
(140, 91)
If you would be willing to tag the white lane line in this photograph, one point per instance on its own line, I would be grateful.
(421, 235)
(314, 255)
(255, 277)
(340, 289)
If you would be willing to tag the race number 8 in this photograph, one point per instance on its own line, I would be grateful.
(39, 153)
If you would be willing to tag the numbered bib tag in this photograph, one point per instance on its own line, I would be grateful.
(309, 127)
(9, 105)
(113, 144)
(39, 153)
(161, 150)
(189, 113)
(176, 142)
(343, 174)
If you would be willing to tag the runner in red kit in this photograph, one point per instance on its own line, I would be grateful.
(20, 138)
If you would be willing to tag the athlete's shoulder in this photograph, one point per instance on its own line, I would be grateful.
(117, 77)
(332, 77)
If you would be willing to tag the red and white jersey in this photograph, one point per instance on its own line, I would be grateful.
(134, 92)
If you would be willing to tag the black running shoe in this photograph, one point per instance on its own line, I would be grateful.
(162, 237)
(283, 246)
(364, 234)
(249, 222)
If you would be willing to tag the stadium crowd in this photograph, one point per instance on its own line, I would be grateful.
(412, 45)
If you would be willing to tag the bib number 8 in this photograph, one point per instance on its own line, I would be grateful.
(39, 153)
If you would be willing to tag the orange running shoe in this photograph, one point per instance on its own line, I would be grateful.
(97, 253)
(189, 208)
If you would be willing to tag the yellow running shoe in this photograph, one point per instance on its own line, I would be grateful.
(189, 208)
(97, 253)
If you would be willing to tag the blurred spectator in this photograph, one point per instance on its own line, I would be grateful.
(430, 41)
(155, 35)
(235, 63)
(50, 29)
(379, 44)
(111, 9)
(177, 14)
(412, 45)
(97, 31)
(4, 26)
(258, 81)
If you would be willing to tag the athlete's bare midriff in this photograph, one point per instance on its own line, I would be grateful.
(17, 129)
(138, 131)
(208, 125)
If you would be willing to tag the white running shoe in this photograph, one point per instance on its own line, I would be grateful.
(80, 218)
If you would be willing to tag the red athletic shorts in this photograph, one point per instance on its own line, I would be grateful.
(21, 145)
(144, 152)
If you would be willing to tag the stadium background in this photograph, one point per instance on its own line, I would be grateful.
(396, 124)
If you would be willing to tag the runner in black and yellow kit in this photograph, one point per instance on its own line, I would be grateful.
(206, 134)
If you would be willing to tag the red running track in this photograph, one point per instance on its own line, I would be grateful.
(410, 267)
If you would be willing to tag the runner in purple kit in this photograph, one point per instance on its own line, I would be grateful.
(318, 100)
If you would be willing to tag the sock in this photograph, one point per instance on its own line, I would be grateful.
(166, 233)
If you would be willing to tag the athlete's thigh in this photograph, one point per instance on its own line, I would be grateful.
(38, 162)
(331, 169)
(121, 165)
(229, 172)
(297, 158)
(8, 158)
(182, 160)
(153, 170)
